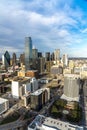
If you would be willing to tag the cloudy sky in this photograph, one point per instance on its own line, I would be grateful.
(52, 24)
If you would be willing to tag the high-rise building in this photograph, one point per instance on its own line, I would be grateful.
(6, 59)
(34, 53)
(65, 60)
(57, 55)
(14, 59)
(22, 58)
(52, 56)
(39, 98)
(48, 65)
(28, 52)
(40, 66)
(39, 54)
(71, 87)
(47, 56)
(21, 86)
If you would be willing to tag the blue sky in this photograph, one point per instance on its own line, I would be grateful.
(52, 24)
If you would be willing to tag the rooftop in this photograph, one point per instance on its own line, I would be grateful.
(38, 92)
(2, 100)
(48, 123)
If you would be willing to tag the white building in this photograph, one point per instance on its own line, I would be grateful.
(48, 123)
(57, 55)
(65, 60)
(4, 105)
(21, 86)
(71, 87)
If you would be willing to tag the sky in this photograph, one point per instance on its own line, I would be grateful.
(52, 24)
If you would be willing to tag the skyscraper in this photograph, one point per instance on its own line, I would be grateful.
(57, 55)
(34, 53)
(14, 59)
(47, 56)
(71, 87)
(22, 58)
(6, 59)
(65, 60)
(28, 52)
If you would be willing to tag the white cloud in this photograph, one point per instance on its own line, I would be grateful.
(52, 24)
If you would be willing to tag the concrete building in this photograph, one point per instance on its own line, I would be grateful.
(34, 53)
(40, 65)
(47, 56)
(47, 123)
(71, 87)
(77, 70)
(28, 73)
(32, 73)
(52, 57)
(67, 71)
(65, 60)
(14, 59)
(39, 54)
(57, 55)
(21, 86)
(39, 98)
(21, 73)
(49, 64)
(4, 105)
(28, 52)
(71, 64)
(55, 70)
(22, 59)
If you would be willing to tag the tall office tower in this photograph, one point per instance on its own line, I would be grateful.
(52, 56)
(57, 55)
(40, 66)
(47, 56)
(6, 59)
(71, 87)
(39, 54)
(65, 60)
(34, 53)
(14, 59)
(28, 52)
(22, 58)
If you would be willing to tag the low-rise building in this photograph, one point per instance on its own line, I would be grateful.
(4, 105)
(47, 123)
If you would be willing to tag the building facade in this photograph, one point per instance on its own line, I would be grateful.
(4, 105)
(65, 60)
(39, 98)
(71, 87)
(57, 55)
(6, 59)
(21, 86)
(28, 52)
(14, 59)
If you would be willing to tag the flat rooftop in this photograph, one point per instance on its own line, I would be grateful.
(72, 75)
(21, 79)
(47, 123)
(39, 91)
(2, 100)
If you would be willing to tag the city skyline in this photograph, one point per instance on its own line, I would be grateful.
(59, 24)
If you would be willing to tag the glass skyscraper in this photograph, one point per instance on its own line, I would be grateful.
(28, 52)
(6, 59)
